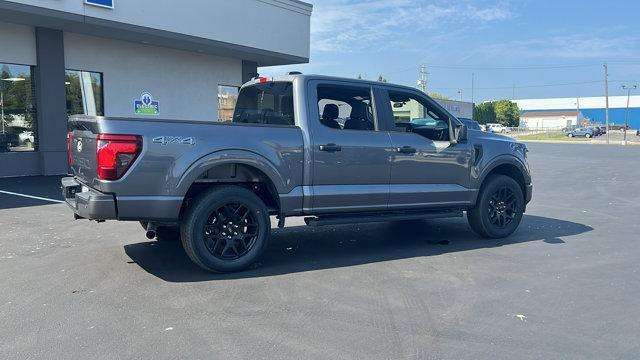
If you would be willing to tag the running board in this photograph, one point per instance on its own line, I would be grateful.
(341, 219)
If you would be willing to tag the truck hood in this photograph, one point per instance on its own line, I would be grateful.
(491, 135)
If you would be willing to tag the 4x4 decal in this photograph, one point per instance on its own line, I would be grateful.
(166, 140)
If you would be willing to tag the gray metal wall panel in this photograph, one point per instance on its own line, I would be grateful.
(51, 102)
(19, 164)
(249, 70)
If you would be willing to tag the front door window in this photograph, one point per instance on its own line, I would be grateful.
(413, 114)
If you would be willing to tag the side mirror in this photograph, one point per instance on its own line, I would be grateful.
(461, 133)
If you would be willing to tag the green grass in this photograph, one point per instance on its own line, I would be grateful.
(547, 136)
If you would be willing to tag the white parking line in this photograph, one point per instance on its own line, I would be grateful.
(30, 196)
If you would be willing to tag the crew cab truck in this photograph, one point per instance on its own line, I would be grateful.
(334, 150)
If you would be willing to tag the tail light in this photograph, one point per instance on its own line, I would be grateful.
(115, 154)
(69, 150)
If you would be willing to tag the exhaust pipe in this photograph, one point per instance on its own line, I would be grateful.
(151, 230)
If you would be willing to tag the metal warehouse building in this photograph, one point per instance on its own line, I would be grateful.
(156, 58)
(592, 108)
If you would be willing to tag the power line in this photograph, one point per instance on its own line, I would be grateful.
(524, 67)
(511, 87)
(523, 86)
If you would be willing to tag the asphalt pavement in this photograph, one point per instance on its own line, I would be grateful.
(565, 286)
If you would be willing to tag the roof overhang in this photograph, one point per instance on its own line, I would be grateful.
(65, 21)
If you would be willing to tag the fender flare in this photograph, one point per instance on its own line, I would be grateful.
(499, 161)
(235, 156)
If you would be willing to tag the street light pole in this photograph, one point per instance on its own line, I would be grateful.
(626, 118)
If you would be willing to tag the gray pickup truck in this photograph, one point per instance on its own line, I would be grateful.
(334, 150)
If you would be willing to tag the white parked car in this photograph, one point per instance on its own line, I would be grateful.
(26, 138)
(498, 128)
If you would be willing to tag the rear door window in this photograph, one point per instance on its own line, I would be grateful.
(269, 103)
(346, 107)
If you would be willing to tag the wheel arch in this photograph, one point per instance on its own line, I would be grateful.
(234, 167)
(509, 166)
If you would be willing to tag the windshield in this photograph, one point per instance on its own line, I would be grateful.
(267, 103)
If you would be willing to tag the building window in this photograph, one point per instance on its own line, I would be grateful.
(227, 99)
(84, 93)
(17, 102)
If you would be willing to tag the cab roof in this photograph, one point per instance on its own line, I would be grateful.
(290, 77)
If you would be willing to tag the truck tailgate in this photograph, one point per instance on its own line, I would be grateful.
(82, 149)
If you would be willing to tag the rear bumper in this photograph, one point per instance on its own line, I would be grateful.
(88, 203)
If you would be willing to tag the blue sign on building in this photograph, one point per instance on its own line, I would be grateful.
(102, 3)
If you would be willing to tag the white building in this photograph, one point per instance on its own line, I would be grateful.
(100, 56)
(592, 108)
(459, 109)
(550, 120)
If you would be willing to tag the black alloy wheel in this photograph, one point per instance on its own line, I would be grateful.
(499, 208)
(503, 207)
(230, 231)
(225, 229)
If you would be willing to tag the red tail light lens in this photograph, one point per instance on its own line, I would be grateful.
(115, 154)
(69, 152)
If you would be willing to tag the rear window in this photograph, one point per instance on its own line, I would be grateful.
(269, 103)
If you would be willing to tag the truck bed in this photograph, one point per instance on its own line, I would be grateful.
(173, 150)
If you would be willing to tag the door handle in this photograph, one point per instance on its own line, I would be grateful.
(330, 147)
(407, 150)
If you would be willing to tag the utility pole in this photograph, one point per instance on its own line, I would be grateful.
(422, 82)
(513, 97)
(578, 112)
(460, 93)
(2, 103)
(606, 95)
(473, 87)
(626, 118)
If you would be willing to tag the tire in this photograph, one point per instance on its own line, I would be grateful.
(164, 233)
(570, 135)
(587, 136)
(225, 229)
(485, 219)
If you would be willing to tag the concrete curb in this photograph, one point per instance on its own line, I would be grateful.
(585, 142)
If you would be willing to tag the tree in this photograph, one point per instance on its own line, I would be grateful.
(507, 113)
(502, 112)
(484, 113)
(438, 96)
(382, 79)
(18, 102)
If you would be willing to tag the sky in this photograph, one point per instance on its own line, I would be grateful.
(512, 49)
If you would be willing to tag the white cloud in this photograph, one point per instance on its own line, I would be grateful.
(568, 46)
(341, 25)
(498, 12)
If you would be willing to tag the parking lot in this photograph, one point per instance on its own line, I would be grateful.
(565, 286)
